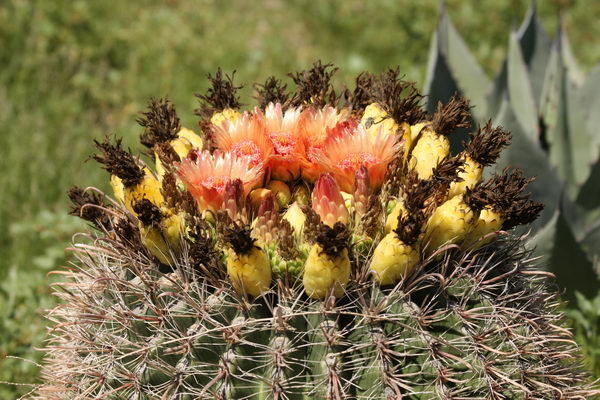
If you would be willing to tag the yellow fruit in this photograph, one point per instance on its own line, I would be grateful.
(118, 190)
(322, 272)
(149, 188)
(489, 221)
(391, 222)
(163, 239)
(393, 259)
(186, 141)
(471, 176)
(411, 134)
(257, 196)
(282, 193)
(296, 218)
(226, 115)
(375, 118)
(249, 273)
(448, 224)
(429, 150)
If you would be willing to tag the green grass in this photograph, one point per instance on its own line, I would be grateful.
(74, 71)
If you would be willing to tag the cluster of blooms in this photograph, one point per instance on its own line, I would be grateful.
(302, 142)
(292, 185)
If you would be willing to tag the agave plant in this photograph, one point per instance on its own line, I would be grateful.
(318, 246)
(550, 106)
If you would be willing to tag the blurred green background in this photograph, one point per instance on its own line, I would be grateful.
(76, 70)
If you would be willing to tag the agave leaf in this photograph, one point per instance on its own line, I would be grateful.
(575, 73)
(535, 46)
(520, 90)
(498, 90)
(528, 155)
(468, 74)
(554, 113)
(589, 195)
(557, 247)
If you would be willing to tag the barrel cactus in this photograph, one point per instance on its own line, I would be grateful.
(324, 245)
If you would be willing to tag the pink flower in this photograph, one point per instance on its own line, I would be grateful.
(283, 133)
(206, 176)
(245, 137)
(327, 201)
(345, 154)
(317, 127)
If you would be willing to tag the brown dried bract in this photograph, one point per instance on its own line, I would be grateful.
(485, 146)
(287, 243)
(333, 240)
(361, 96)
(505, 193)
(89, 207)
(119, 162)
(416, 193)
(238, 237)
(442, 176)
(148, 213)
(314, 86)
(455, 114)
(173, 196)
(311, 224)
(272, 91)
(398, 98)
(202, 253)
(371, 221)
(222, 94)
(394, 177)
(166, 154)
(161, 123)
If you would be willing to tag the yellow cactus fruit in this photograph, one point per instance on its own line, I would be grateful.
(375, 118)
(484, 148)
(391, 221)
(411, 134)
(489, 221)
(118, 190)
(322, 272)
(429, 150)
(186, 140)
(449, 223)
(164, 238)
(250, 271)
(257, 196)
(392, 259)
(282, 192)
(148, 188)
(469, 177)
(433, 145)
(296, 218)
(227, 114)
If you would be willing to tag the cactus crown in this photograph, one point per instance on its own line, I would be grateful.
(401, 289)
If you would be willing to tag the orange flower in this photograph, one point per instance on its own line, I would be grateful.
(282, 131)
(206, 175)
(345, 154)
(327, 201)
(317, 127)
(245, 137)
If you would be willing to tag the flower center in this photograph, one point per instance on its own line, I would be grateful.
(248, 149)
(283, 142)
(216, 182)
(354, 161)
